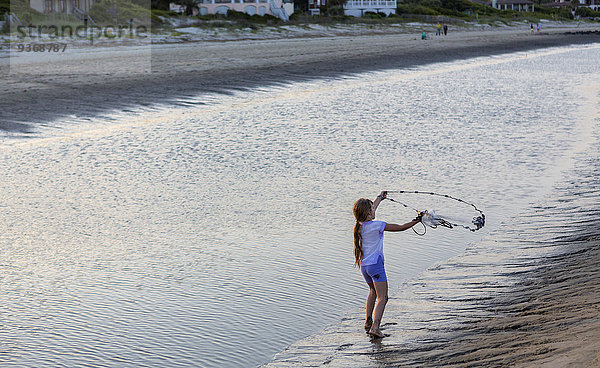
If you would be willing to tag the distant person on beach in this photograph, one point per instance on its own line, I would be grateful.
(531, 27)
(445, 29)
(368, 255)
(423, 35)
(438, 29)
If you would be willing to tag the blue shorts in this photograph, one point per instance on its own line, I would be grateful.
(375, 272)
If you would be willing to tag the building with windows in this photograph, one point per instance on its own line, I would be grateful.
(278, 8)
(592, 4)
(516, 5)
(358, 8)
(314, 6)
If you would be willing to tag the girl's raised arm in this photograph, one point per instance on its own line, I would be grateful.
(378, 200)
(408, 225)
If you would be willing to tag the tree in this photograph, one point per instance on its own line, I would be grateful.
(335, 7)
(455, 5)
(190, 5)
(160, 4)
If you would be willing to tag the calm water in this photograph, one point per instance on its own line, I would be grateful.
(219, 233)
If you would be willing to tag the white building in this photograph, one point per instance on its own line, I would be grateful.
(278, 8)
(358, 8)
(517, 5)
(592, 4)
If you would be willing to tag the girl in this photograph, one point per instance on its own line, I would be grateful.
(368, 255)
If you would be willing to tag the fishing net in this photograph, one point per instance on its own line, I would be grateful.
(439, 210)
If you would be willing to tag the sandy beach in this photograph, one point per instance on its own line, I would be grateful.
(545, 312)
(88, 82)
(486, 308)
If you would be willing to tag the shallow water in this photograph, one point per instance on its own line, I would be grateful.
(217, 232)
(525, 295)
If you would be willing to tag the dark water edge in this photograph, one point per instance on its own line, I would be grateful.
(528, 295)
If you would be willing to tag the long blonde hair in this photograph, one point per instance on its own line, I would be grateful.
(361, 209)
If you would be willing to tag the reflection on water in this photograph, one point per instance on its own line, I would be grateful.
(525, 295)
(218, 234)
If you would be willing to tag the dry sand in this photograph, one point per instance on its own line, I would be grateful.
(86, 82)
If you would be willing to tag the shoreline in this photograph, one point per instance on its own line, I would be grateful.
(520, 298)
(544, 314)
(84, 85)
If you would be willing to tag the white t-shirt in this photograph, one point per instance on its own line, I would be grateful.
(372, 241)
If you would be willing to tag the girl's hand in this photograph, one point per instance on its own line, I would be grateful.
(378, 200)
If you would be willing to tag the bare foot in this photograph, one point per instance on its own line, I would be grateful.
(368, 323)
(376, 333)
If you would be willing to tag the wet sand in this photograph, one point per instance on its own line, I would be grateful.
(85, 84)
(526, 296)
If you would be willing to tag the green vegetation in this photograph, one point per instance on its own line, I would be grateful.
(101, 12)
(120, 12)
(471, 11)
(245, 19)
(20, 8)
(426, 11)
(4, 6)
(587, 13)
(155, 15)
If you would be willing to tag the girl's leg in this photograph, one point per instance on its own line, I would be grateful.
(370, 306)
(381, 289)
